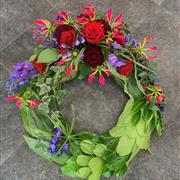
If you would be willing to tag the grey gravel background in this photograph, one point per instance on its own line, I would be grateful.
(96, 108)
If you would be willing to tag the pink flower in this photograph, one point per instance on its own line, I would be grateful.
(101, 80)
(19, 103)
(141, 50)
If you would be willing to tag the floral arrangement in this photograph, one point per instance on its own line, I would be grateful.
(94, 46)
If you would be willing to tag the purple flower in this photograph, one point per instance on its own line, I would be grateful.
(54, 140)
(68, 54)
(19, 76)
(114, 61)
(130, 42)
(65, 147)
(57, 132)
(115, 45)
(79, 40)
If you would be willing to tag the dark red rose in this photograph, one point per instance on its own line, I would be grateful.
(93, 56)
(65, 34)
(105, 25)
(126, 69)
(93, 32)
(40, 67)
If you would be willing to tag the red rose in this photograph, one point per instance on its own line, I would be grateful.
(65, 35)
(126, 69)
(93, 56)
(93, 32)
(40, 67)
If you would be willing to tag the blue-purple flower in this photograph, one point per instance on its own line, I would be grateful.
(114, 61)
(130, 42)
(80, 40)
(56, 143)
(19, 76)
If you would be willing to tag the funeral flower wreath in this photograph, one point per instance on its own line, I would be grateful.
(94, 46)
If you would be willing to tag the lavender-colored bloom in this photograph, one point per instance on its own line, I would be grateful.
(51, 152)
(130, 42)
(53, 146)
(115, 45)
(79, 40)
(65, 147)
(57, 132)
(114, 61)
(66, 55)
(19, 76)
(54, 140)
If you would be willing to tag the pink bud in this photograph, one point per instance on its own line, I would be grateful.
(148, 97)
(61, 62)
(158, 99)
(68, 71)
(108, 73)
(101, 80)
(33, 103)
(18, 104)
(11, 98)
(91, 78)
(118, 18)
(109, 14)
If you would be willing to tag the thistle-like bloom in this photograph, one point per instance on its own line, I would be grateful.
(20, 100)
(141, 49)
(155, 91)
(98, 71)
(114, 61)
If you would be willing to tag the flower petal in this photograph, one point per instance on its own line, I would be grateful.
(101, 80)
(68, 71)
(11, 98)
(91, 78)
(18, 104)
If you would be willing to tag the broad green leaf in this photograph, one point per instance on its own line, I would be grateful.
(48, 55)
(119, 164)
(87, 146)
(84, 172)
(70, 168)
(33, 57)
(44, 107)
(135, 150)
(60, 94)
(118, 131)
(99, 150)
(41, 147)
(125, 145)
(83, 160)
(94, 176)
(136, 118)
(49, 81)
(44, 89)
(142, 142)
(126, 114)
(140, 127)
(131, 131)
(96, 165)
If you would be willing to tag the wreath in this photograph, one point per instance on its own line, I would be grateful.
(93, 46)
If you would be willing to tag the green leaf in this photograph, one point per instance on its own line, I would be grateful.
(140, 127)
(70, 168)
(44, 107)
(44, 89)
(40, 147)
(142, 142)
(83, 160)
(118, 131)
(96, 165)
(136, 118)
(84, 172)
(87, 146)
(131, 131)
(33, 57)
(125, 145)
(48, 55)
(60, 94)
(49, 81)
(100, 150)
(135, 150)
(84, 70)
